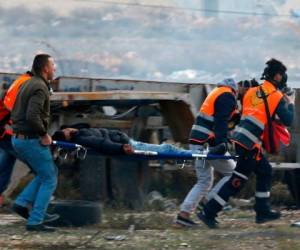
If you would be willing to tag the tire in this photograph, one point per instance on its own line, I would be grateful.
(75, 213)
(129, 181)
(93, 179)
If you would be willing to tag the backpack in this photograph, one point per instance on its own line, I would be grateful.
(280, 136)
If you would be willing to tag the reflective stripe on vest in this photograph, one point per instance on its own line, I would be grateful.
(254, 118)
(262, 194)
(202, 130)
(12, 92)
(204, 116)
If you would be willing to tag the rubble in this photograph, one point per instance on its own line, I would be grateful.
(153, 230)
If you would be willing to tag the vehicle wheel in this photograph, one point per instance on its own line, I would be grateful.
(129, 181)
(93, 179)
(75, 212)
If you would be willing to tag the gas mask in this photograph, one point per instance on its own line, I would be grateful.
(282, 84)
(275, 67)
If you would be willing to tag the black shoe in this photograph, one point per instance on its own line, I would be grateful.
(40, 228)
(20, 210)
(262, 217)
(211, 222)
(50, 217)
(185, 221)
(200, 207)
(24, 212)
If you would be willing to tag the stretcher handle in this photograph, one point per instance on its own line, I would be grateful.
(81, 151)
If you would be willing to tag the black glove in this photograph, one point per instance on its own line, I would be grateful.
(219, 149)
(288, 91)
(234, 120)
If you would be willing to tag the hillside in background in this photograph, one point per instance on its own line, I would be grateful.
(103, 40)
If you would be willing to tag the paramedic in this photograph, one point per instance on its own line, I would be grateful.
(247, 140)
(211, 126)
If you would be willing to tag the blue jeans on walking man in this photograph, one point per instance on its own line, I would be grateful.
(38, 193)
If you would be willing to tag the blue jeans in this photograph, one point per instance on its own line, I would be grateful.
(39, 191)
(160, 148)
(7, 161)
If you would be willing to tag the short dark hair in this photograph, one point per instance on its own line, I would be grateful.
(39, 62)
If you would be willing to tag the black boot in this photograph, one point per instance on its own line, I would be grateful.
(209, 221)
(262, 217)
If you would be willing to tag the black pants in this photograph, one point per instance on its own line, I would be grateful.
(246, 164)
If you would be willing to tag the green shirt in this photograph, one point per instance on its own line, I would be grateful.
(31, 112)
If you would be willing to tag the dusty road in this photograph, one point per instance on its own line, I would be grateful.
(153, 230)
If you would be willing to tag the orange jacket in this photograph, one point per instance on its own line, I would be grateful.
(7, 104)
(202, 130)
(12, 92)
(254, 118)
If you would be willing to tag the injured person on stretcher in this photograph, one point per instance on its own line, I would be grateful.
(108, 141)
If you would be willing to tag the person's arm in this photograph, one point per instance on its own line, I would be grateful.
(285, 111)
(224, 106)
(34, 111)
(118, 136)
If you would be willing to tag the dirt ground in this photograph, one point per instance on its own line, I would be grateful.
(153, 230)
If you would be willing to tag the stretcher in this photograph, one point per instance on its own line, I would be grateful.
(182, 154)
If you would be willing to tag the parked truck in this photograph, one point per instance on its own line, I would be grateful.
(148, 111)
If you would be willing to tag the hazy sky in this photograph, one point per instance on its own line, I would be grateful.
(97, 39)
(65, 7)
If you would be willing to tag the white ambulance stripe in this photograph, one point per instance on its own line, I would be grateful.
(217, 187)
(218, 199)
(248, 134)
(206, 117)
(240, 175)
(262, 194)
(253, 120)
(201, 129)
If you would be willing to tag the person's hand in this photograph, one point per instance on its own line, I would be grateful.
(219, 149)
(234, 120)
(128, 149)
(68, 133)
(46, 140)
(288, 99)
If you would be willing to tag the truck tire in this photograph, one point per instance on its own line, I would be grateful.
(75, 213)
(93, 179)
(129, 182)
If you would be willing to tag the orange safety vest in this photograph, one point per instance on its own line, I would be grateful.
(7, 104)
(202, 130)
(12, 92)
(254, 118)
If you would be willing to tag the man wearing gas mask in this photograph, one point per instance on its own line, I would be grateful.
(260, 104)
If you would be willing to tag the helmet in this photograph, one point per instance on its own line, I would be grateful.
(275, 67)
(228, 82)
